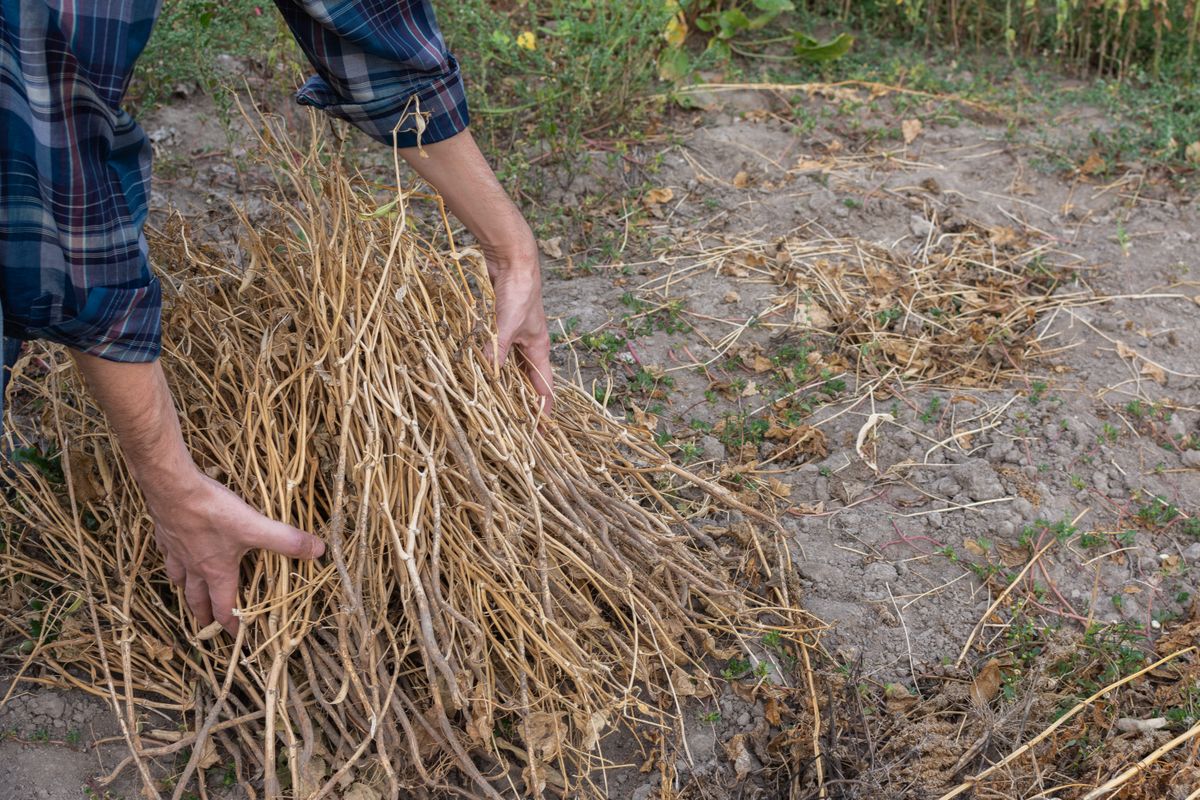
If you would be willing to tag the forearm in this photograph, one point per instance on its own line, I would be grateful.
(138, 404)
(458, 171)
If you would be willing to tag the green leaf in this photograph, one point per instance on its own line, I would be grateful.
(674, 65)
(808, 49)
(762, 20)
(774, 6)
(49, 465)
(732, 21)
(719, 49)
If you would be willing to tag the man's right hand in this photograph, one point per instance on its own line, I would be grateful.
(202, 528)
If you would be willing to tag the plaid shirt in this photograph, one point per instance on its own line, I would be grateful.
(75, 168)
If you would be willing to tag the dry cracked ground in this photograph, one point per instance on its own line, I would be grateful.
(969, 383)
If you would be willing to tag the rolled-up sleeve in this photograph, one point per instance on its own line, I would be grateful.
(75, 181)
(382, 65)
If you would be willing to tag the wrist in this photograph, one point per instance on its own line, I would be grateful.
(515, 253)
(167, 482)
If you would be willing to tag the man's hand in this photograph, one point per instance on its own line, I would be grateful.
(202, 528)
(521, 320)
(457, 169)
(203, 531)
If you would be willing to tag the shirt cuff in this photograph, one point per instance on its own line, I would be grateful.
(116, 324)
(418, 115)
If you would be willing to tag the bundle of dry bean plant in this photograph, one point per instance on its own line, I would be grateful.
(503, 596)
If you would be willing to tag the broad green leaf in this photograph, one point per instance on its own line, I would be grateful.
(774, 6)
(674, 65)
(807, 49)
(719, 49)
(732, 22)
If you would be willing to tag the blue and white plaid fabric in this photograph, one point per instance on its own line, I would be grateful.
(75, 168)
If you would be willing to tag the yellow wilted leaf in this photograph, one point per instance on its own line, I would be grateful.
(527, 41)
(741, 180)
(1192, 152)
(676, 31)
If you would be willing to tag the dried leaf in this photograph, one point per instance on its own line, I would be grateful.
(741, 180)
(1004, 236)
(973, 547)
(813, 315)
(1192, 152)
(779, 488)
(810, 441)
(740, 755)
(551, 247)
(361, 791)
(1154, 372)
(157, 650)
(534, 777)
(656, 197)
(1125, 351)
(1093, 164)
(683, 683)
(208, 754)
(81, 465)
(731, 297)
(645, 419)
(987, 683)
(771, 711)
(676, 31)
(762, 364)
(911, 128)
(899, 699)
(592, 728)
(209, 631)
(545, 732)
(863, 432)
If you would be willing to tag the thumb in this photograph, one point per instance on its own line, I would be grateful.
(288, 541)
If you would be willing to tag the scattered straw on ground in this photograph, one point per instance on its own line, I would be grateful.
(960, 310)
(495, 602)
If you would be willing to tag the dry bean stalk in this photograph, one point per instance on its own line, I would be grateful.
(499, 594)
